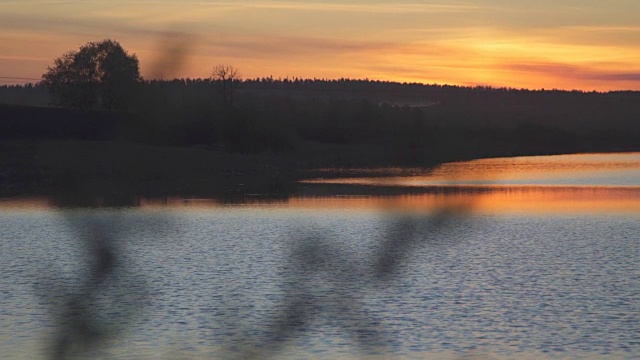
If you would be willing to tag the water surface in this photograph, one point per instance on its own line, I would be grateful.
(572, 183)
(451, 263)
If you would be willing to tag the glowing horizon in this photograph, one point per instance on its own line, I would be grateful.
(583, 45)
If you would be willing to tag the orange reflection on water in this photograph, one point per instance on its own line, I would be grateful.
(499, 199)
(559, 199)
(483, 200)
(29, 203)
(594, 183)
(610, 169)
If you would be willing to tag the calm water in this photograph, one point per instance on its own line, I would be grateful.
(521, 257)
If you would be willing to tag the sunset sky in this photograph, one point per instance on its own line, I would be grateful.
(565, 44)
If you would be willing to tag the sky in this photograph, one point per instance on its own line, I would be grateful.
(551, 44)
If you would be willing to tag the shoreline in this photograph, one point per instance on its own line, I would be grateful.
(71, 169)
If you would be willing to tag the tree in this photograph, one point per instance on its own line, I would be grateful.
(226, 74)
(100, 75)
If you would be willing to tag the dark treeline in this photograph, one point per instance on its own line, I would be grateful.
(41, 123)
(363, 122)
(28, 94)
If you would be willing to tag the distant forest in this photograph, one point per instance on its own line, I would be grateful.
(375, 123)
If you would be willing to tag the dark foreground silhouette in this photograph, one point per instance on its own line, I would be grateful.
(182, 136)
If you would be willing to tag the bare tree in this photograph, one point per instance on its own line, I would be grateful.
(226, 74)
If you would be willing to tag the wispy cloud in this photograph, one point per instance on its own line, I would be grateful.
(575, 72)
(287, 46)
(385, 8)
(330, 6)
(599, 28)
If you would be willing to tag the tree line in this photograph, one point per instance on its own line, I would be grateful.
(404, 123)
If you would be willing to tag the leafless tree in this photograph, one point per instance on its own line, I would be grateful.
(226, 74)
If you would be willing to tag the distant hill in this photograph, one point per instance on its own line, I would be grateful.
(267, 114)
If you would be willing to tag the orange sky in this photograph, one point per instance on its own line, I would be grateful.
(570, 44)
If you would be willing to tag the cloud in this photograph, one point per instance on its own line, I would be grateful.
(619, 76)
(334, 6)
(23, 58)
(575, 72)
(549, 68)
(384, 8)
(287, 46)
(600, 28)
(72, 25)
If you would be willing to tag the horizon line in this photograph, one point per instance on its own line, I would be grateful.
(296, 78)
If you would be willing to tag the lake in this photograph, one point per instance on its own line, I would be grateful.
(528, 257)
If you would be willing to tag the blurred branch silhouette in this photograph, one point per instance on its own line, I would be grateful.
(106, 286)
(172, 54)
(80, 329)
(322, 281)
